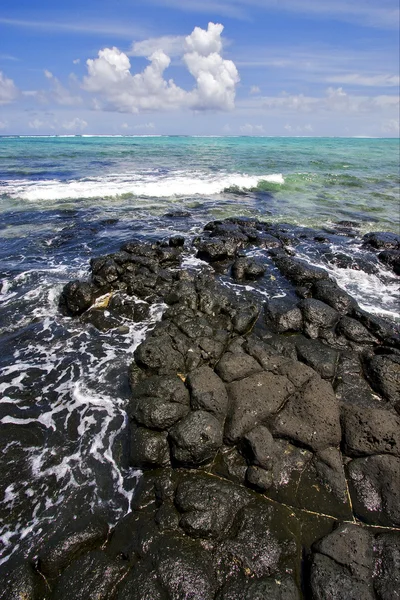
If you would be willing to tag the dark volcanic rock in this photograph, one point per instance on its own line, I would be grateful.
(329, 292)
(384, 374)
(350, 384)
(375, 490)
(391, 258)
(355, 331)
(234, 366)
(370, 431)
(76, 297)
(208, 506)
(260, 589)
(196, 438)
(318, 356)
(80, 536)
(93, 576)
(317, 316)
(149, 449)
(247, 268)
(208, 392)
(382, 240)
(298, 271)
(129, 308)
(22, 583)
(284, 314)
(254, 399)
(331, 580)
(311, 416)
(387, 569)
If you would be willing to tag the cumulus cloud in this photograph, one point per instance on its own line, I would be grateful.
(8, 89)
(254, 90)
(76, 61)
(36, 124)
(3, 124)
(172, 45)
(110, 77)
(391, 126)
(75, 125)
(299, 128)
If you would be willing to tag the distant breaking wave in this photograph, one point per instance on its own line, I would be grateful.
(177, 184)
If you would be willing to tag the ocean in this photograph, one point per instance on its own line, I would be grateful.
(64, 200)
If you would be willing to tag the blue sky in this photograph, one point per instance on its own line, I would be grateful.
(262, 67)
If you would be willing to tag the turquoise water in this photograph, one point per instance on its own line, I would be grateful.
(308, 181)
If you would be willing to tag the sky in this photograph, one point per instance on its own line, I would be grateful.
(200, 67)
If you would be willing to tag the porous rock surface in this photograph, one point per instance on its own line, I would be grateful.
(267, 431)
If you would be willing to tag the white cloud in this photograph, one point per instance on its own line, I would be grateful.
(75, 125)
(172, 45)
(249, 129)
(60, 94)
(3, 124)
(391, 126)
(8, 89)
(76, 61)
(335, 100)
(254, 90)
(381, 80)
(145, 127)
(36, 124)
(110, 77)
(299, 128)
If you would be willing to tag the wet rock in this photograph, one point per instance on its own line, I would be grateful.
(101, 319)
(244, 319)
(168, 389)
(141, 584)
(178, 214)
(383, 372)
(105, 272)
(208, 392)
(310, 416)
(176, 241)
(92, 576)
(216, 250)
(22, 583)
(261, 540)
(149, 449)
(258, 478)
(391, 258)
(373, 484)
(283, 588)
(76, 297)
(230, 465)
(299, 271)
(284, 314)
(385, 330)
(332, 580)
(236, 366)
(156, 413)
(196, 438)
(246, 268)
(387, 569)
(350, 386)
(318, 356)
(129, 308)
(355, 331)
(254, 399)
(352, 546)
(329, 292)
(382, 240)
(158, 355)
(84, 534)
(259, 446)
(317, 316)
(208, 506)
(184, 569)
(370, 431)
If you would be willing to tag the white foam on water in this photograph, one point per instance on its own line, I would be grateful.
(137, 184)
(377, 293)
(73, 393)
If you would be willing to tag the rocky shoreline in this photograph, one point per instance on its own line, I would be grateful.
(268, 431)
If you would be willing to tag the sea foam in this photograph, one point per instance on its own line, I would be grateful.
(138, 184)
